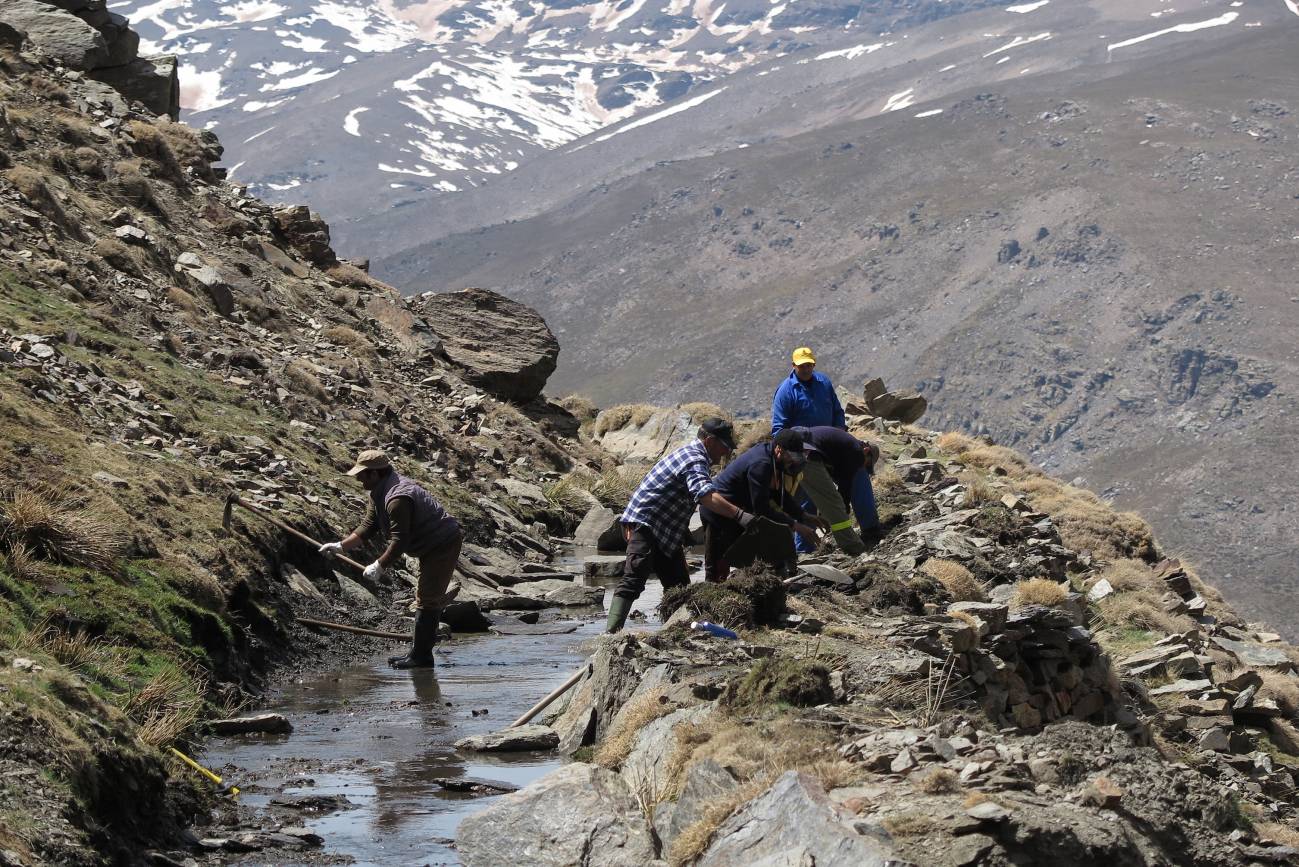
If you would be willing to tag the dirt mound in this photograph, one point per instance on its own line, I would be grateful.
(797, 682)
(748, 598)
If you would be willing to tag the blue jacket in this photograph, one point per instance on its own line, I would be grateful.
(806, 404)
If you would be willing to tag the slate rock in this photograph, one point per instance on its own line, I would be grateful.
(306, 232)
(498, 345)
(600, 530)
(706, 783)
(151, 81)
(579, 814)
(266, 723)
(59, 35)
(905, 407)
(792, 823)
(464, 616)
(526, 738)
(1255, 655)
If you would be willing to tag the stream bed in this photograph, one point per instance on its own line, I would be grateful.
(377, 739)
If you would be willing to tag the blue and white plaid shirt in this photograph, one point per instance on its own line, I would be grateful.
(666, 498)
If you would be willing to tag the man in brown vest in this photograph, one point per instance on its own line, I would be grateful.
(416, 524)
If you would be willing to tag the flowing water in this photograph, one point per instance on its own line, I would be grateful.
(379, 737)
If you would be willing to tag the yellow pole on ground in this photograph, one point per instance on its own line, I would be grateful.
(231, 790)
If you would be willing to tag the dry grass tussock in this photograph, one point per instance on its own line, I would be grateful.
(151, 144)
(303, 381)
(350, 275)
(120, 256)
(34, 187)
(613, 487)
(701, 410)
(56, 524)
(168, 707)
(939, 781)
(183, 301)
(965, 617)
(1278, 833)
(349, 338)
(83, 160)
(887, 480)
(633, 717)
(1128, 574)
(1282, 688)
(582, 408)
(1038, 591)
(959, 581)
(74, 650)
(758, 753)
(623, 415)
(978, 490)
(127, 184)
(1087, 523)
(1141, 609)
(567, 495)
(954, 443)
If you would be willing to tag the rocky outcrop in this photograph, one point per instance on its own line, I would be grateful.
(497, 344)
(904, 407)
(600, 530)
(793, 823)
(644, 434)
(304, 230)
(84, 36)
(578, 816)
(154, 82)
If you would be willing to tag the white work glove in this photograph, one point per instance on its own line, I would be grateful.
(331, 549)
(745, 518)
(373, 571)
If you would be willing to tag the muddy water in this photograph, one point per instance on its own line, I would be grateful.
(379, 737)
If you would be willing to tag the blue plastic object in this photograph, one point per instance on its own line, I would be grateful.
(714, 629)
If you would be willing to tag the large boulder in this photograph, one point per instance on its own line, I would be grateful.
(644, 434)
(905, 406)
(57, 34)
(307, 233)
(600, 530)
(499, 345)
(151, 81)
(793, 823)
(578, 815)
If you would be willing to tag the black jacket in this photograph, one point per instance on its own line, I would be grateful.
(746, 482)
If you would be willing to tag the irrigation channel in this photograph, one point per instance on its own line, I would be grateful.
(377, 739)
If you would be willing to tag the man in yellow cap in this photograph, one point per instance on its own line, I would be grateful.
(806, 398)
(416, 524)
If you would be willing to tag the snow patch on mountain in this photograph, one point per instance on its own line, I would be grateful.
(1225, 18)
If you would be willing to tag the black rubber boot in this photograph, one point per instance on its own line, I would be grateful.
(421, 650)
(619, 608)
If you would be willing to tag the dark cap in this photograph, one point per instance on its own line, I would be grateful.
(789, 439)
(720, 428)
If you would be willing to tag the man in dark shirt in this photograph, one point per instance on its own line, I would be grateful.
(838, 475)
(764, 482)
(415, 524)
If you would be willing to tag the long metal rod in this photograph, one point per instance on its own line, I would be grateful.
(343, 627)
(560, 690)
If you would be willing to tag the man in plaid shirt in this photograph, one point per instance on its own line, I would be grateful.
(656, 520)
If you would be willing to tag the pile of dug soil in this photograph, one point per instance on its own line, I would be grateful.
(749, 597)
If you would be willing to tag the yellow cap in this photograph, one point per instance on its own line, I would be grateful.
(803, 355)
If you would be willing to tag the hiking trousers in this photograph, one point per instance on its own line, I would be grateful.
(644, 558)
(830, 505)
(435, 570)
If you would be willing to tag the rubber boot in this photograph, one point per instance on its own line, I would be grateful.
(421, 650)
(619, 608)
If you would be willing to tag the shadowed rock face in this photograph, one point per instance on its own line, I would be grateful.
(499, 345)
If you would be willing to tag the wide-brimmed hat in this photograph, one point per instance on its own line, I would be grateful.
(370, 459)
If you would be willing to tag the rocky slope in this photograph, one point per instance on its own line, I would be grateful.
(165, 339)
(974, 690)
(1085, 265)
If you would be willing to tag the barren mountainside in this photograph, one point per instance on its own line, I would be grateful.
(1090, 265)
